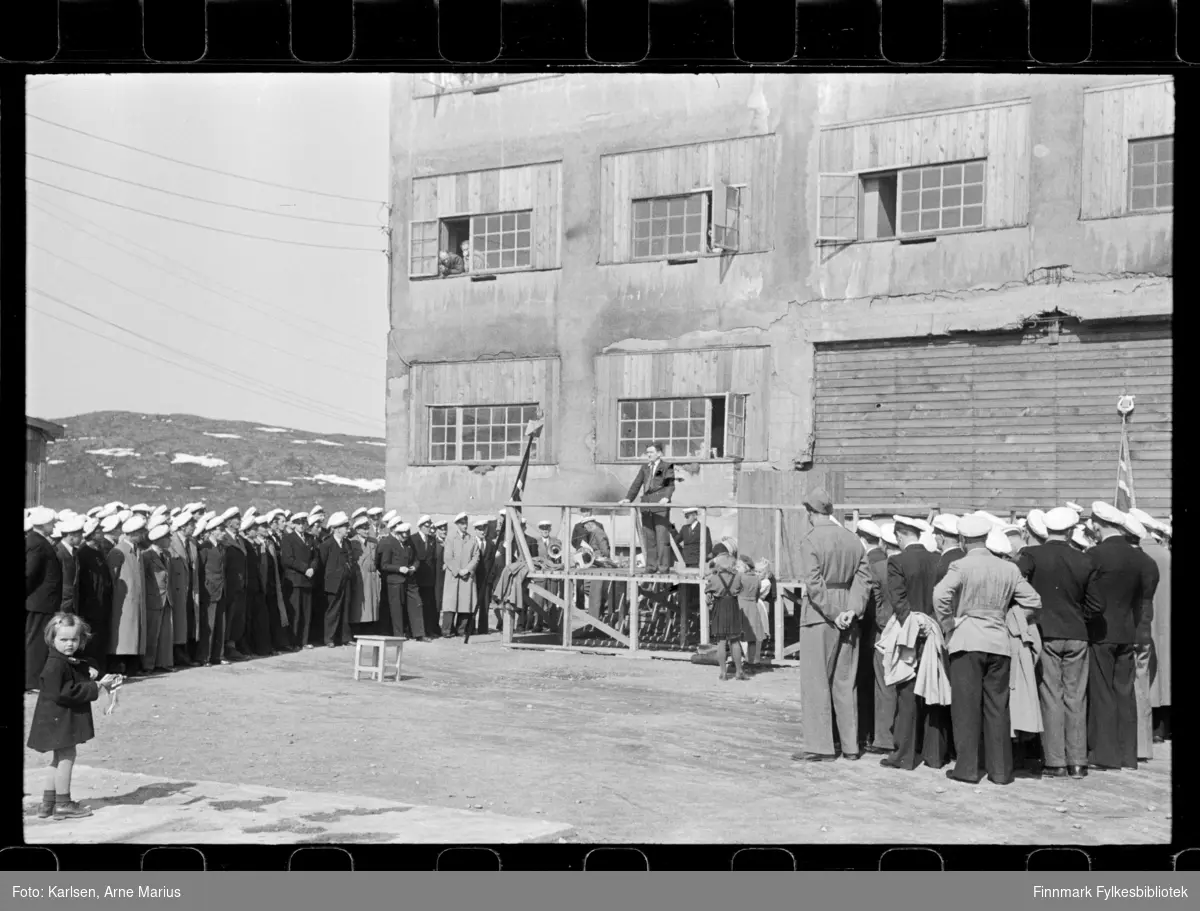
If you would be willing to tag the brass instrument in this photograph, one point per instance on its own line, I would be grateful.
(584, 556)
(555, 553)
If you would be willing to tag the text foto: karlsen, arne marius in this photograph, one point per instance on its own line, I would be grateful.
(107, 892)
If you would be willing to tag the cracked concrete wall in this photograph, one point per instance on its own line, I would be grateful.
(790, 298)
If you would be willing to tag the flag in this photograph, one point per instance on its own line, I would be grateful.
(1124, 499)
(532, 431)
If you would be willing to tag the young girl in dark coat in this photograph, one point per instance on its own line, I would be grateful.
(62, 717)
(723, 585)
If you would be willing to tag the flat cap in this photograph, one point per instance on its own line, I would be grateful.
(819, 502)
(974, 526)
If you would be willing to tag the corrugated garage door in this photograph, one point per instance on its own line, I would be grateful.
(997, 422)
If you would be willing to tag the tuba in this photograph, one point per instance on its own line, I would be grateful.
(584, 555)
(555, 552)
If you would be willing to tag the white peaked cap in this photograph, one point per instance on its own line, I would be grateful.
(919, 525)
(1060, 518)
(158, 532)
(929, 542)
(545, 523)
(298, 517)
(401, 526)
(998, 543)
(375, 511)
(1146, 519)
(41, 515)
(338, 519)
(247, 521)
(946, 523)
(887, 531)
(361, 522)
(124, 514)
(231, 513)
(141, 507)
(995, 520)
(109, 524)
(1080, 537)
(481, 523)
(89, 526)
(181, 520)
(867, 527)
(92, 512)
(155, 521)
(458, 518)
(1106, 512)
(361, 511)
(440, 523)
(1036, 523)
(71, 525)
(389, 515)
(134, 523)
(105, 511)
(424, 520)
(28, 524)
(1134, 527)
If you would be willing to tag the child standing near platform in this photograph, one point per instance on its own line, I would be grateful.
(722, 586)
(62, 718)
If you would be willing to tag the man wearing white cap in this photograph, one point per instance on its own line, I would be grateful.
(258, 627)
(160, 633)
(375, 514)
(945, 533)
(972, 604)
(338, 567)
(836, 586)
(95, 593)
(43, 591)
(1160, 625)
(364, 601)
(127, 640)
(299, 567)
(1065, 580)
(920, 730)
(878, 710)
(110, 531)
(236, 563)
(72, 534)
(183, 569)
(458, 593)
(397, 562)
(214, 604)
(426, 578)
(1143, 652)
(1125, 588)
(547, 544)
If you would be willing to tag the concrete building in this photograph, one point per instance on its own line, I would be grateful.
(37, 434)
(914, 288)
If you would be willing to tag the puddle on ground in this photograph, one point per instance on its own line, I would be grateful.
(141, 795)
(335, 815)
(255, 804)
(293, 826)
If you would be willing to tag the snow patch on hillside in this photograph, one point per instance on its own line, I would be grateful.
(301, 442)
(370, 486)
(327, 443)
(372, 442)
(222, 436)
(272, 429)
(182, 458)
(118, 451)
(54, 462)
(279, 483)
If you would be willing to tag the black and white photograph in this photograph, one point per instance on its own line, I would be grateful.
(598, 458)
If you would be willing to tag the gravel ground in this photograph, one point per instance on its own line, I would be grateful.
(624, 750)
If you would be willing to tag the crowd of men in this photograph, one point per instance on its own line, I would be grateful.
(167, 588)
(1042, 645)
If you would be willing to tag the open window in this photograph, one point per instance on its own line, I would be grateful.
(726, 219)
(837, 214)
(491, 242)
(692, 429)
(423, 258)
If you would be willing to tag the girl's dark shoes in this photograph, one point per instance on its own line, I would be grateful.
(71, 810)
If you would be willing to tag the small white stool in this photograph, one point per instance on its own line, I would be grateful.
(379, 645)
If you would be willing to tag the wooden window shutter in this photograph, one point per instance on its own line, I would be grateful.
(837, 213)
(735, 425)
(423, 243)
(726, 220)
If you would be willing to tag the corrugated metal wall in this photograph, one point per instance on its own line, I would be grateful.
(997, 422)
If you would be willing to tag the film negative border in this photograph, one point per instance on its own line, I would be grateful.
(507, 33)
(593, 858)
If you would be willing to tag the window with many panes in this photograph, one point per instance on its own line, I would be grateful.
(670, 225)
(904, 202)
(490, 242)
(701, 427)
(479, 433)
(1151, 174)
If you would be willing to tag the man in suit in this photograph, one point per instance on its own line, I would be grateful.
(656, 481)
(95, 593)
(214, 605)
(439, 577)
(870, 674)
(257, 636)
(1065, 580)
(836, 586)
(910, 579)
(688, 539)
(1154, 546)
(43, 591)
(184, 575)
(1143, 652)
(235, 585)
(971, 604)
(549, 615)
(298, 559)
(397, 563)
(945, 534)
(339, 569)
(425, 577)
(71, 529)
(591, 532)
(160, 634)
(1124, 586)
(458, 594)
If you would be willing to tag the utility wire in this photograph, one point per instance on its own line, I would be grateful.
(297, 399)
(192, 316)
(115, 341)
(211, 202)
(208, 283)
(196, 224)
(281, 186)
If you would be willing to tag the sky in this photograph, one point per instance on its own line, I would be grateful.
(201, 321)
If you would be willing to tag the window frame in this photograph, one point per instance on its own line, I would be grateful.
(1129, 187)
(899, 234)
(470, 267)
(705, 195)
(459, 426)
(731, 223)
(735, 403)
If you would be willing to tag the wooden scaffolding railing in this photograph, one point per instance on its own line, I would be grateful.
(566, 576)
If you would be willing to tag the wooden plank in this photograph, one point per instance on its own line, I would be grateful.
(586, 619)
(489, 191)
(462, 192)
(607, 212)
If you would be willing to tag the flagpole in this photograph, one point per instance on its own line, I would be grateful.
(1124, 457)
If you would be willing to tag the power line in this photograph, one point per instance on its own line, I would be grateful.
(211, 202)
(92, 334)
(196, 224)
(281, 186)
(192, 316)
(297, 399)
(207, 282)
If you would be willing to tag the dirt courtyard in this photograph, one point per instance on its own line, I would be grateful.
(623, 750)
